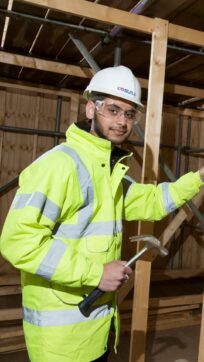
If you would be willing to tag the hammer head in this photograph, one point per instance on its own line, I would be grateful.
(151, 242)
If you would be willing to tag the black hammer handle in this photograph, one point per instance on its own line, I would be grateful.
(85, 304)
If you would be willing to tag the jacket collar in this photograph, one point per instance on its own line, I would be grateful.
(79, 132)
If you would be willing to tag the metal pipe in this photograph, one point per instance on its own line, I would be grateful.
(58, 119)
(141, 144)
(84, 51)
(137, 9)
(14, 14)
(192, 150)
(188, 101)
(33, 131)
(117, 53)
(10, 185)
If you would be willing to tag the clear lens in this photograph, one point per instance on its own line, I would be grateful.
(114, 111)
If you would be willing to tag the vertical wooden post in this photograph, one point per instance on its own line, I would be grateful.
(141, 294)
(201, 348)
(36, 124)
(74, 108)
(2, 118)
(149, 174)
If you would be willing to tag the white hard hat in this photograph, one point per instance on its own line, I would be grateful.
(116, 81)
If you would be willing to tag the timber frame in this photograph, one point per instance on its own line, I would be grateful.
(161, 31)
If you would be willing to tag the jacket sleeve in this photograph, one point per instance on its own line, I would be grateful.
(47, 188)
(150, 202)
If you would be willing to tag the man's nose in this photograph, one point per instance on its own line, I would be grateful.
(122, 119)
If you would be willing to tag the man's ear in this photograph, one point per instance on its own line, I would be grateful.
(90, 109)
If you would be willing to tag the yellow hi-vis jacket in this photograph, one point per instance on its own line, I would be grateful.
(65, 222)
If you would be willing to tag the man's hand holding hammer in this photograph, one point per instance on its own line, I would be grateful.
(114, 275)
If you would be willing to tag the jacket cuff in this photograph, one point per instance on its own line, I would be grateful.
(200, 183)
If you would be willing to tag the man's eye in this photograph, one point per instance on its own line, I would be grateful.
(130, 115)
(113, 110)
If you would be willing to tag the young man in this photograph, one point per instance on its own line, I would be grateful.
(64, 228)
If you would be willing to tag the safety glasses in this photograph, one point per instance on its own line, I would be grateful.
(113, 111)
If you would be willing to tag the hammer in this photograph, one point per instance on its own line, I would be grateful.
(151, 242)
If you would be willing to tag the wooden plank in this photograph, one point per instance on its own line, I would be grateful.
(12, 345)
(10, 314)
(159, 311)
(167, 321)
(2, 117)
(171, 88)
(140, 311)
(36, 89)
(98, 12)
(149, 174)
(186, 35)
(36, 126)
(175, 301)
(10, 290)
(160, 274)
(74, 108)
(11, 331)
(9, 279)
(173, 309)
(47, 65)
(163, 302)
(121, 18)
(194, 113)
(201, 346)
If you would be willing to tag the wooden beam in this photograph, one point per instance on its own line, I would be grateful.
(10, 332)
(9, 279)
(169, 88)
(186, 35)
(164, 302)
(175, 301)
(149, 174)
(46, 65)
(74, 108)
(10, 290)
(201, 347)
(98, 12)
(166, 274)
(173, 320)
(121, 18)
(10, 314)
(39, 89)
(140, 311)
(194, 113)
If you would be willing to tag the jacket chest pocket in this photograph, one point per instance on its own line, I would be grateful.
(99, 248)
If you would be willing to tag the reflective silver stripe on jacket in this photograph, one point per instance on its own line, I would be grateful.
(86, 185)
(63, 317)
(39, 200)
(52, 258)
(76, 231)
(84, 227)
(169, 203)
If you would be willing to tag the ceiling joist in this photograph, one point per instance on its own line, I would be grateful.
(45, 65)
(121, 18)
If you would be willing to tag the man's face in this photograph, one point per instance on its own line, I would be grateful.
(112, 119)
